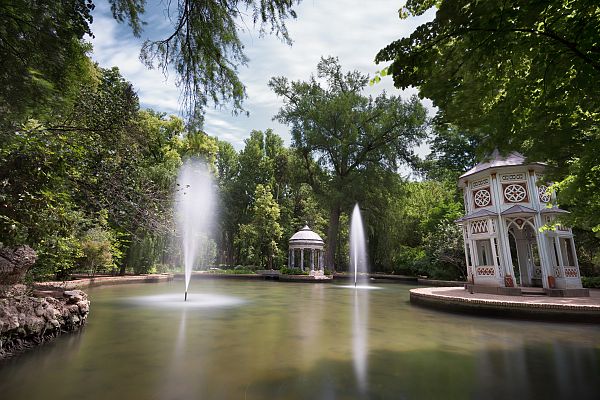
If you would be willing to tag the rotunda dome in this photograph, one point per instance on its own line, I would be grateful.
(307, 236)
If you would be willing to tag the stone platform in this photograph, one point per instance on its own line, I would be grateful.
(86, 282)
(532, 307)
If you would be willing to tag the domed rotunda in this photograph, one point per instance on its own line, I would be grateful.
(307, 243)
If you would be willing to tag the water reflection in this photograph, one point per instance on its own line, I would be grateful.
(360, 322)
(299, 341)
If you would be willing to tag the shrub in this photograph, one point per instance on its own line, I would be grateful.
(590, 281)
(292, 271)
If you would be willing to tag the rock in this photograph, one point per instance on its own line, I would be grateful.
(74, 296)
(73, 308)
(84, 306)
(14, 263)
(13, 290)
(27, 318)
(39, 311)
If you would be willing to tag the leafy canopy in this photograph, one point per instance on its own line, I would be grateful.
(354, 139)
(521, 75)
(203, 47)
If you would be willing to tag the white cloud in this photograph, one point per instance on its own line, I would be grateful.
(353, 30)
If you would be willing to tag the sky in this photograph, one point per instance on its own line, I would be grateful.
(352, 30)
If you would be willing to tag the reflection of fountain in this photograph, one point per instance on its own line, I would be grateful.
(195, 208)
(359, 338)
(358, 248)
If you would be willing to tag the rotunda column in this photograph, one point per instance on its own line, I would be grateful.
(302, 258)
(322, 260)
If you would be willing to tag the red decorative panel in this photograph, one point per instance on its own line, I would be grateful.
(515, 193)
(482, 197)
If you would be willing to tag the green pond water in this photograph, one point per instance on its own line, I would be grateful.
(270, 340)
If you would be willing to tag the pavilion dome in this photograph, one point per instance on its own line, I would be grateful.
(497, 161)
(306, 236)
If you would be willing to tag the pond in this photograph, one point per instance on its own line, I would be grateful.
(273, 340)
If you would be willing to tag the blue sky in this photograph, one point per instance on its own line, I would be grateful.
(352, 30)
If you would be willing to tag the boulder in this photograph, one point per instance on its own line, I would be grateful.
(14, 263)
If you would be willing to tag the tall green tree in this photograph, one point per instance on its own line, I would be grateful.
(347, 133)
(260, 237)
(523, 75)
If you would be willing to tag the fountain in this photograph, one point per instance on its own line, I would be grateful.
(195, 208)
(358, 248)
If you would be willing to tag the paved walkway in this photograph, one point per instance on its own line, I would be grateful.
(104, 280)
(583, 309)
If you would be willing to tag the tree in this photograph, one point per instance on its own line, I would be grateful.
(522, 76)
(452, 153)
(349, 134)
(41, 54)
(262, 161)
(204, 47)
(99, 154)
(260, 237)
(97, 246)
(40, 45)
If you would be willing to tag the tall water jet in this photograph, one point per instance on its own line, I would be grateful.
(195, 208)
(358, 247)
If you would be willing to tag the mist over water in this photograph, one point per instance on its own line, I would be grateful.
(196, 208)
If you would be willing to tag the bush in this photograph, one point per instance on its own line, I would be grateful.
(590, 281)
(237, 270)
(292, 271)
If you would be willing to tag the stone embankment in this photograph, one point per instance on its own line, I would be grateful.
(29, 317)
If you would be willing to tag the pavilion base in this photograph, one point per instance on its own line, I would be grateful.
(517, 291)
(575, 292)
(505, 291)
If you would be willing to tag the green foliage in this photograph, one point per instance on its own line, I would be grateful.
(590, 282)
(259, 239)
(350, 136)
(99, 247)
(40, 54)
(97, 156)
(292, 271)
(444, 248)
(239, 270)
(415, 235)
(204, 48)
(478, 61)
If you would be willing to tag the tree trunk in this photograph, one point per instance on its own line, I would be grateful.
(332, 234)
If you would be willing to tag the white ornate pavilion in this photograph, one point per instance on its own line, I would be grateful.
(510, 235)
(306, 242)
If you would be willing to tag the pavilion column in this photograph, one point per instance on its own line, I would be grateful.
(289, 258)
(312, 259)
(293, 261)
(321, 261)
(302, 259)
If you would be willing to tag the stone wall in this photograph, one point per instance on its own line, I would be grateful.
(29, 317)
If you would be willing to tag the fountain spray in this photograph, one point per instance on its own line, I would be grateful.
(195, 209)
(355, 264)
(358, 245)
